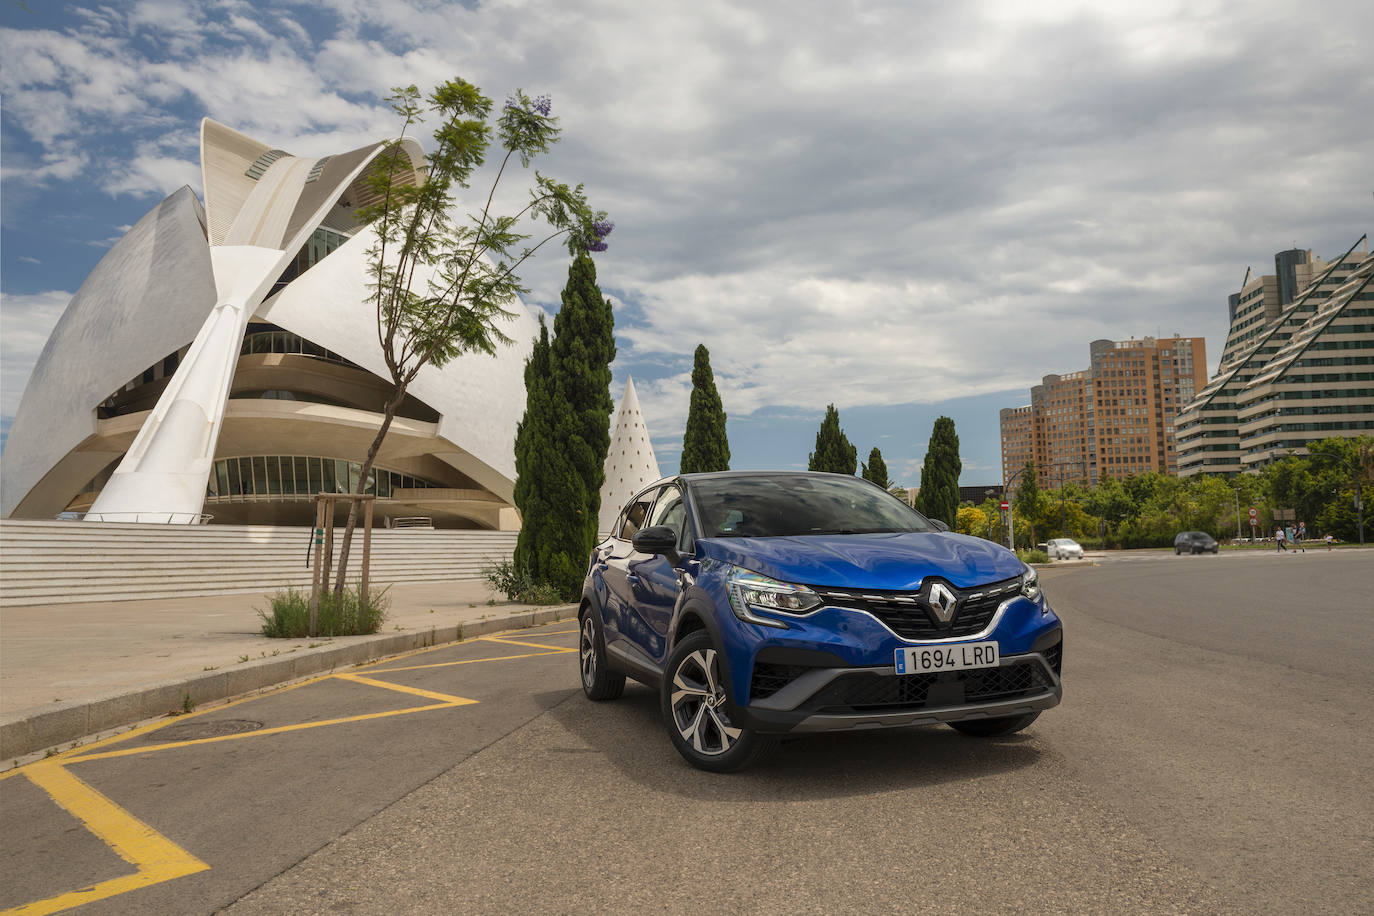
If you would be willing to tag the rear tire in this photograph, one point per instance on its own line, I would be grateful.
(995, 728)
(694, 709)
(599, 682)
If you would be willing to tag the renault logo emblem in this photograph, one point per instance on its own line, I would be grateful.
(943, 602)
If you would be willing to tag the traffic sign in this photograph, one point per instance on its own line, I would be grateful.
(1254, 513)
(1005, 505)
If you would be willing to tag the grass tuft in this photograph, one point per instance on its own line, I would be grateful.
(517, 585)
(345, 615)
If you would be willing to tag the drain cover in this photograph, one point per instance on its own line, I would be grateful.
(194, 731)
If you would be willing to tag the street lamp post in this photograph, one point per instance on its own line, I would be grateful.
(1006, 494)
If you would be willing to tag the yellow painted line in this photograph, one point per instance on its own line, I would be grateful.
(427, 694)
(84, 750)
(156, 858)
(472, 661)
(531, 645)
(278, 730)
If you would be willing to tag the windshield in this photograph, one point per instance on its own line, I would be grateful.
(785, 505)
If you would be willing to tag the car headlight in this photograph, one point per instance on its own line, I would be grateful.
(751, 590)
(1030, 584)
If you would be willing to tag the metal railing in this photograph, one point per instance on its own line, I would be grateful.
(147, 518)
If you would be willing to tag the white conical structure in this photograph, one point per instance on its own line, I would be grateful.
(630, 463)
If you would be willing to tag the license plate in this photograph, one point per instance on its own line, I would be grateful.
(929, 659)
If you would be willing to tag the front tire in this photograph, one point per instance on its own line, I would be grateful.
(694, 709)
(995, 728)
(599, 682)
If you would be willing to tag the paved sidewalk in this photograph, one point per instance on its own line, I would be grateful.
(72, 670)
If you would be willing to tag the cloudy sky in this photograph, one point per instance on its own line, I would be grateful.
(905, 208)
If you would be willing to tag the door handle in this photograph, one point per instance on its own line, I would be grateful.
(632, 579)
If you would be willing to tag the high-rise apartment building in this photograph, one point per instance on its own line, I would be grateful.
(1113, 419)
(1298, 366)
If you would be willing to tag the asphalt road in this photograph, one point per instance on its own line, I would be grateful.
(1211, 755)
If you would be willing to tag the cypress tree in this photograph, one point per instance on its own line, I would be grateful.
(876, 469)
(939, 496)
(540, 467)
(705, 446)
(580, 357)
(833, 453)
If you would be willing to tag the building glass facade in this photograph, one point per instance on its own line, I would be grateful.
(1296, 380)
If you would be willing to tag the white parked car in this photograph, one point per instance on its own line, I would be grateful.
(1064, 549)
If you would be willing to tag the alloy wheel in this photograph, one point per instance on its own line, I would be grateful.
(587, 650)
(698, 701)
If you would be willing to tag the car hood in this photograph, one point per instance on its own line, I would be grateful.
(878, 561)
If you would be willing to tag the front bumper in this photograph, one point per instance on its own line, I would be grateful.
(796, 699)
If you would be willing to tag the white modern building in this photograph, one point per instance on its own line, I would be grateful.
(222, 360)
(1297, 368)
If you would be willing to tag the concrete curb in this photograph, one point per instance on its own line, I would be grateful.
(46, 727)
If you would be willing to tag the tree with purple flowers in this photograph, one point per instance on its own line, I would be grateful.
(441, 284)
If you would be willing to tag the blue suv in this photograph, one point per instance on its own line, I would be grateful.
(762, 604)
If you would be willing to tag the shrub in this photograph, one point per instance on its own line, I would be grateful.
(519, 586)
(1033, 556)
(347, 614)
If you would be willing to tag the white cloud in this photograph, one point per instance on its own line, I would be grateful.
(895, 203)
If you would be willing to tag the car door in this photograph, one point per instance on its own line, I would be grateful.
(654, 584)
(615, 556)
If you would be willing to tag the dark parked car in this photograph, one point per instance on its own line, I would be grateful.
(1194, 542)
(761, 604)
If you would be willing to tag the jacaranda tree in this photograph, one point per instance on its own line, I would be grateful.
(439, 284)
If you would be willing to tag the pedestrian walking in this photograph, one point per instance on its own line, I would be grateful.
(1278, 539)
(1299, 536)
(1328, 540)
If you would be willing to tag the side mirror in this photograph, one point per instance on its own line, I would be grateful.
(939, 525)
(657, 539)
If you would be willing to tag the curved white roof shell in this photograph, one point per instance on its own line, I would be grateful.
(148, 296)
(192, 274)
(630, 462)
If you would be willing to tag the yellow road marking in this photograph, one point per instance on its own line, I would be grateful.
(262, 732)
(471, 661)
(531, 645)
(427, 694)
(156, 858)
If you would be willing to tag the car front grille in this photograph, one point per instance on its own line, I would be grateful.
(910, 616)
(868, 692)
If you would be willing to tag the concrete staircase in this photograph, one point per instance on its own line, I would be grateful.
(60, 562)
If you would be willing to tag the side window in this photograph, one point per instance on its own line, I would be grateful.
(634, 516)
(672, 512)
